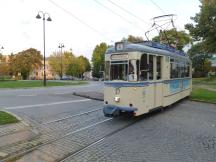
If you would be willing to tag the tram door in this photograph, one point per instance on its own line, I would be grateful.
(151, 71)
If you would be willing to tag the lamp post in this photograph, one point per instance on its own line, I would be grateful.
(61, 45)
(1, 48)
(44, 14)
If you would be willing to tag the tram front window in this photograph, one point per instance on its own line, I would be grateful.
(119, 71)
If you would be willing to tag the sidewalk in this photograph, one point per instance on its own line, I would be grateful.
(11, 134)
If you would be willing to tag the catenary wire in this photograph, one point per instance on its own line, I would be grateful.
(80, 20)
(128, 12)
(141, 29)
(158, 7)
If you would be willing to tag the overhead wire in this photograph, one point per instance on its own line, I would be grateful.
(115, 13)
(158, 7)
(79, 20)
(112, 11)
(128, 12)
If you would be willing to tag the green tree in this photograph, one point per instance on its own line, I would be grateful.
(73, 68)
(84, 64)
(78, 66)
(178, 38)
(59, 63)
(98, 59)
(24, 62)
(4, 68)
(204, 26)
(133, 39)
(200, 59)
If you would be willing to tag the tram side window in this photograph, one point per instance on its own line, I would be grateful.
(159, 59)
(151, 76)
(187, 71)
(179, 68)
(173, 70)
(143, 67)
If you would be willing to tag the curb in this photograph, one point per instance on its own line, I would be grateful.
(87, 96)
(18, 118)
(202, 101)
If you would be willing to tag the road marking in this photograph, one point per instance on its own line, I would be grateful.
(47, 104)
(28, 95)
(60, 93)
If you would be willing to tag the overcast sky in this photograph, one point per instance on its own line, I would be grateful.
(99, 21)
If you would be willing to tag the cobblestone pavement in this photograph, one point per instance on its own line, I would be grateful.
(185, 132)
(79, 132)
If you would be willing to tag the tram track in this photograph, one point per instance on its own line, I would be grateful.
(121, 124)
(68, 157)
(47, 134)
(51, 141)
(71, 116)
(38, 125)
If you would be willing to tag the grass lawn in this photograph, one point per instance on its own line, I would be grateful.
(6, 118)
(203, 94)
(204, 89)
(37, 83)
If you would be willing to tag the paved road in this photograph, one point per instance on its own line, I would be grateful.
(72, 128)
(31, 96)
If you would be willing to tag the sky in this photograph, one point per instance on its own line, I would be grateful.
(82, 24)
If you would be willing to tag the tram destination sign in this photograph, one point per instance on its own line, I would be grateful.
(119, 56)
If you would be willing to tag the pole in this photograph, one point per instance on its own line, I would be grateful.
(44, 49)
(61, 63)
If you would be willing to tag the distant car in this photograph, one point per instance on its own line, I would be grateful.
(66, 78)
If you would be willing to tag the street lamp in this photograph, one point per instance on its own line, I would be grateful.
(44, 14)
(1, 48)
(61, 45)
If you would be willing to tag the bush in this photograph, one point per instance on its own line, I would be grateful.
(5, 78)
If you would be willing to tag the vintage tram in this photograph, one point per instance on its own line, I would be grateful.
(143, 76)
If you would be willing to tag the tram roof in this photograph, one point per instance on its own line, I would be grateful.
(146, 46)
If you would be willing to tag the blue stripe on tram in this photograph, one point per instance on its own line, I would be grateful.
(175, 84)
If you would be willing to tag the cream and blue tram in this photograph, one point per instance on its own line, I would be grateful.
(143, 76)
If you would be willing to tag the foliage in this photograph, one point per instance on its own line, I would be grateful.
(58, 62)
(178, 38)
(133, 39)
(98, 59)
(4, 68)
(200, 60)
(204, 27)
(78, 66)
(6, 118)
(71, 65)
(24, 62)
(74, 69)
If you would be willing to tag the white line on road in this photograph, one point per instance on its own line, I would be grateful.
(46, 104)
(61, 93)
(28, 95)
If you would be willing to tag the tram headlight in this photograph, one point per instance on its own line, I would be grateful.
(117, 99)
